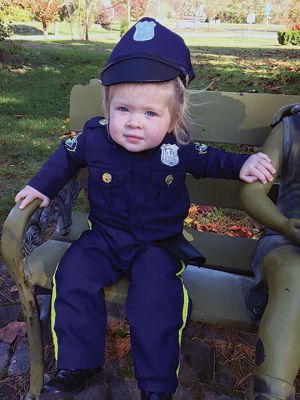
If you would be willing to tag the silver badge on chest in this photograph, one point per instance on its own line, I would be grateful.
(144, 31)
(169, 154)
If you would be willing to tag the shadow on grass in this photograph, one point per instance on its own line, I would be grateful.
(26, 30)
(249, 53)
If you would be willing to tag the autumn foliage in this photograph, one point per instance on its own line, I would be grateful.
(43, 11)
(222, 221)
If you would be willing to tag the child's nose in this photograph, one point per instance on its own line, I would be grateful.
(134, 121)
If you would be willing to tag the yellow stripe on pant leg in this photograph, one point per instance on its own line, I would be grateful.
(53, 316)
(184, 310)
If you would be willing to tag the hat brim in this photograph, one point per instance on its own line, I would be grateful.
(138, 69)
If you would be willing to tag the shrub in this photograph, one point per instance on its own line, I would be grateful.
(123, 27)
(5, 31)
(289, 37)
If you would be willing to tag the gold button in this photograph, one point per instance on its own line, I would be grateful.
(169, 179)
(106, 177)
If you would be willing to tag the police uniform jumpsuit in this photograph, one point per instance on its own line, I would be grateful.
(138, 202)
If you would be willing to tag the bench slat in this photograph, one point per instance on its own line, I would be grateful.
(223, 117)
(218, 297)
(220, 193)
(227, 253)
(218, 249)
(235, 117)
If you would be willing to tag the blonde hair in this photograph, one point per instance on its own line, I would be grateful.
(176, 94)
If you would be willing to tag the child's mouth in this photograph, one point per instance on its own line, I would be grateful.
(133, 139)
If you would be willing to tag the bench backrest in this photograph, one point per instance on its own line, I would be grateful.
(220, 117)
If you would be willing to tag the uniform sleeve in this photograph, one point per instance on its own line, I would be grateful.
(210, 162)
(61, 166)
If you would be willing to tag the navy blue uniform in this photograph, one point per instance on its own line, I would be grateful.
(138, 202)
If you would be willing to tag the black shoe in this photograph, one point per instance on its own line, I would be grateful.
(156, 396)
(67, 382)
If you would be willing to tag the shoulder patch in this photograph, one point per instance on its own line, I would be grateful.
(201, 148)
(71, 143)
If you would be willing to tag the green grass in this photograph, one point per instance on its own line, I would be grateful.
(62, 28)
(36, 79)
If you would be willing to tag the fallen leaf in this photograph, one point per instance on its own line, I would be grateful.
(68, 134)
(210, 227)
(9, 333)
(244, 232)
(234, 228)
(203, 209)
(198, 227)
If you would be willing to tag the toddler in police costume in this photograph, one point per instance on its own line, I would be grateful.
(137, 157)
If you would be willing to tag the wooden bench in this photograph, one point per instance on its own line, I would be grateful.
(217, 289)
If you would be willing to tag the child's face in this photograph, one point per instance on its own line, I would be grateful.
(139, 116)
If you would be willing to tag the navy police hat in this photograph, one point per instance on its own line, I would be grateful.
(148, 52)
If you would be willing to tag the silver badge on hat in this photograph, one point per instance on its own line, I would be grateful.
(144, 31)
(169, 154)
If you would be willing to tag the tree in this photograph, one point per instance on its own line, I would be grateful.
(215, 9)
(121, 8)
(137, 8)
(294, 12)
(43, 11)
(83, 13)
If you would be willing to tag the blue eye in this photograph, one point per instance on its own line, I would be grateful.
(123, 109)
(150, 113)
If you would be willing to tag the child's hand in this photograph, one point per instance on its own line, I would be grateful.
(292, 230)
(28, 194)
(257, 167)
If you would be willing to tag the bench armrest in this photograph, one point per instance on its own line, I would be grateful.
(13, 236)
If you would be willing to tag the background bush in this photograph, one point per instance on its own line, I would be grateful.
(289, 37)
(123, 27)
(5, 31)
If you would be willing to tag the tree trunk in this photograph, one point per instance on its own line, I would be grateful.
(55, 28)
(86, 22)
(71, 29)
(45, 30)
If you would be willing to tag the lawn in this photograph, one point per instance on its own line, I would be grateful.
(36, 79)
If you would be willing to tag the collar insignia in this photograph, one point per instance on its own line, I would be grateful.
(144, 31)
(103, 121)
(169, 154)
